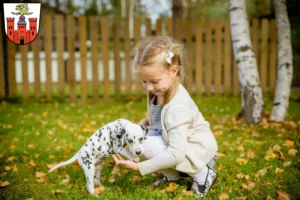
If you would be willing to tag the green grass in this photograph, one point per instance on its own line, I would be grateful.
(51, 132)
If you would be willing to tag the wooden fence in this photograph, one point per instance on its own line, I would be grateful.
(211, 70)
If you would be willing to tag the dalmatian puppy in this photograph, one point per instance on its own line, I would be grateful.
(106, 141)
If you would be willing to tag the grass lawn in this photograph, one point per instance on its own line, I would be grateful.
(255, 161)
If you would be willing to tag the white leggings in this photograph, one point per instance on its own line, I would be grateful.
(153, 146)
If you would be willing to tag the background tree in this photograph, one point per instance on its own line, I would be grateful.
(285, 62)
(252, 100)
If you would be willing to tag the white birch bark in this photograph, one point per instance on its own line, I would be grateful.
(285, 62)
(252, 100)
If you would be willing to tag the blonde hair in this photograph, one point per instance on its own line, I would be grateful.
(153, 50)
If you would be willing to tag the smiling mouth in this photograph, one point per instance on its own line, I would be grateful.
(154, 92)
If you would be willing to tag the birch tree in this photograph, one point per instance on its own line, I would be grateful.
(252, 100)
(285, 62)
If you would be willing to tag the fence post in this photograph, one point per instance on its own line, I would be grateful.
(59, 44)
(208, 57)
(137, 37)
(24, 60)
(128, 74)
(227, 57)
(47, 21)
(264, 54)
(105, 57)
(273, 55)
(218, 56)
(94, 52)
(71, 59)
(189, 47)
(199, 56)
(11, 64)
(82, 47)
(117, 60)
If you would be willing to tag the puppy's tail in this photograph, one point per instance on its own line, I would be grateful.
(71, 160)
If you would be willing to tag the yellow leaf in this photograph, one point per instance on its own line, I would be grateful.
(1, 156)
(51, 165)
(40, 174)
(58, 192)
(45, 113)
(241, 161)
(277, 148)
(218, 133)
(263, 171)
(11, 158)
(289, 143)
(4, 184)
(286, 164)
(249, 185)
(7, 168)
(220, 154)
(223, 196)
(116, 170)
(136, 179)
(188, 192)
(171, 188)
(242, 198)
(14, 168)
(31, 146)
(272, 155)
(251, 154)
(283, 195)
(178, 198)
(292, 152)
(278, 170)
(98, 190)
(31, 163)
(269, 198)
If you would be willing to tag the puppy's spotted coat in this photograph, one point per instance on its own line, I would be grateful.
(106, 141)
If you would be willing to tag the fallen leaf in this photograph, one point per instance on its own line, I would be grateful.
(14, 168)
(11, 158)
(286, 164)
(283, 195)
(188, 192)
(269, 198)
(31, 146)
(50, 166)
(223, 196)
(1, 156)
(31, 163)
(292, 152)
(171, 188)
(40, 174)
(251, 154)
(136, 179)
(116, 170)
(7, 168)
(241, 161)
(178, 197)
(277, 148)
(249, 185)
(218, 133)
(278, 170)
(58, 192)
(98, 190)
(289, 143)
(4, 184)
(242, 198)
(66, 180)
(29, 199)
(263, 171)
(220, 154)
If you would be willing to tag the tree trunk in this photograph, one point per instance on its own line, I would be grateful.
(285, 62)
(252, 101)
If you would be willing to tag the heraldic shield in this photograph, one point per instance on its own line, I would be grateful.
(22, 21)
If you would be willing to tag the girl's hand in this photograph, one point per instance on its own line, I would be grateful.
(126, 163)
(144, 122)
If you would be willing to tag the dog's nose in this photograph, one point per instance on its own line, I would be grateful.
(138, 152)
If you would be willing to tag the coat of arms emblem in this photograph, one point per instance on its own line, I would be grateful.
(24, 28)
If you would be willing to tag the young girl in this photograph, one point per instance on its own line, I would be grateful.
(179, 139)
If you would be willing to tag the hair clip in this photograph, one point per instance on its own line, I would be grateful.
(169, 56)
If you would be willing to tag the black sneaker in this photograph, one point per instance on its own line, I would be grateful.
(202, 190)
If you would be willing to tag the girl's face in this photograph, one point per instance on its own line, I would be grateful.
(156, 79)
